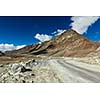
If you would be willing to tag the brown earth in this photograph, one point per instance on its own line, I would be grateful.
(69, 43)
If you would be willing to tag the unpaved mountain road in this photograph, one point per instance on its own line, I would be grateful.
(50, 70)
(69, 70)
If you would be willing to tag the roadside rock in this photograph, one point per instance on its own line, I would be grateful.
(23, 69)
(1, 65)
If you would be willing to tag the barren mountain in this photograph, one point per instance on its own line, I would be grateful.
(96, 53)
(66, 61)
(69, 43)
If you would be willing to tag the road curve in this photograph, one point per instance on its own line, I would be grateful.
(72, 71)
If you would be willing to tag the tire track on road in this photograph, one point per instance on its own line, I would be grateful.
(80, 72)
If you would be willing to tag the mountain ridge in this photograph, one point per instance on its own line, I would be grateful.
(69, 43)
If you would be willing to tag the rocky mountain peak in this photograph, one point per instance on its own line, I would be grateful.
(69, 43)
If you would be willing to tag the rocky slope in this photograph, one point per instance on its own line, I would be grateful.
(69, 43)
(95, 56)
(1, 53)
(60, 70)
(97, 43)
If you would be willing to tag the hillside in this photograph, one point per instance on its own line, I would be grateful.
(69, 43)
(1, 53)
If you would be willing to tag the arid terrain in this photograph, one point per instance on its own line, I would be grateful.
(69, 57)
(69, 43)
(60, 69)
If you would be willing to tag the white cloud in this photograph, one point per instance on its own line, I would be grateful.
(43, 37)
(82, 23)
(19, 47)
(58, 32)
(9, 47)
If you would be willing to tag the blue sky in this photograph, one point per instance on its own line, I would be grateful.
(28, 30)
(93, 32)
(21, 30)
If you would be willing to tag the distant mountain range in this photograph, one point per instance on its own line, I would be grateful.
(68, 44)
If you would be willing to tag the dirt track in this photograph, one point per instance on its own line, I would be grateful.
(74, 71)
(50, 70)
